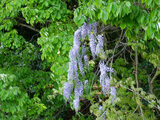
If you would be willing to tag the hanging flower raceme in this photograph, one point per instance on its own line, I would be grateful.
(92, 44)
(76, 103)
(67, 90)
(104, 79)
(81, 65)
(86, 61)
(113, 93)
(78, 90)
(72, 72)
(89, 29)
(86, 85)
(84, 30)
(77, 42)
(99, 47)
(94, 26)
(83, 50)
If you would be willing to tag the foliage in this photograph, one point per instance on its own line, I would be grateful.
(36, 37)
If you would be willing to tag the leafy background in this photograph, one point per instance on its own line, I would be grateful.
(36, 36)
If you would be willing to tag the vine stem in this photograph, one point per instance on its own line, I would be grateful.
(152, 81)
(136, 76)
(136, 60)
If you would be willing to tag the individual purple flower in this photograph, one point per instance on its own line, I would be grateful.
(78, 90)
(81, 65)
(113, 93)
(83, 50)
(84, 30)
(94, 26)
(77, 42)
(86, 60)
(86, 85)
(76, 103)
(92, 44)
(67, 90)
(99, 47)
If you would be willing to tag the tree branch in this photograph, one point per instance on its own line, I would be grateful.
(27, 26)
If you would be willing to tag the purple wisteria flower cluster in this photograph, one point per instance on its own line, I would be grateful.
(105, 80)
(79, 58)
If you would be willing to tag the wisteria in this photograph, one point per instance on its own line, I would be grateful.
(70, 71)
(79, 59)
(89, 29)
(77, 42)
(81, 65)
(94, 25)
(83, 50)
(86, 60)
(92, 44)
(86, 85)
(113, 93)
(104, 79)
(84, 30)
(99, 47)
(76, 104)
(78, 91)
(67, 90)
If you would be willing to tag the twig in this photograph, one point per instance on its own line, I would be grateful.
(27, 26)
(120, 38)
(151, 82)
(140, 96)
(136, 76)
(142, 113)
